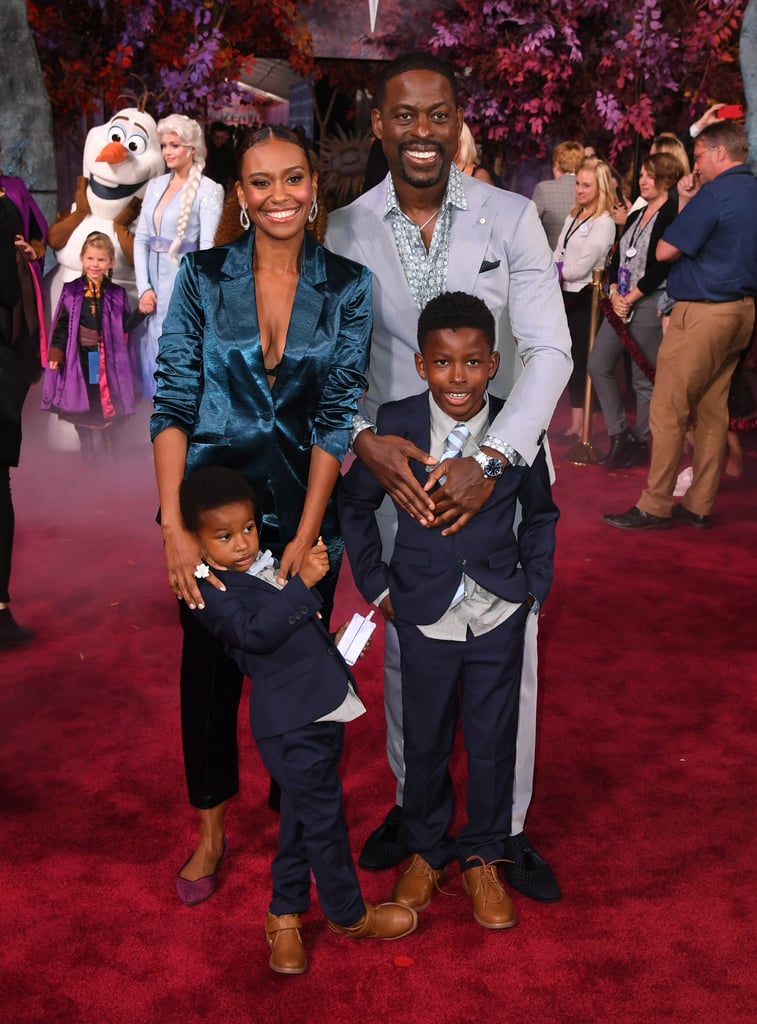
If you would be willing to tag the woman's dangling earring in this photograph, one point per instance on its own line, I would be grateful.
(244, 218)
(313, 209)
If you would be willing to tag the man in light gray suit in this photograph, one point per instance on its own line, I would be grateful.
(427, 229)
(554, 198)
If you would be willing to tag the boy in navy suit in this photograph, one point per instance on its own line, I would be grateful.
(460, 602)
(302, 694)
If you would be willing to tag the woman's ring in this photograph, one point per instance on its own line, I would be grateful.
(202, 571)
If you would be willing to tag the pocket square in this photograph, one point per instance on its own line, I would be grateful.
(488, 265)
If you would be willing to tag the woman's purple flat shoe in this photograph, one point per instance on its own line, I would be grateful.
(202, 888)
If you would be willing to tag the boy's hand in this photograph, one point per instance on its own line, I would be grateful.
(340, 633)
(386, 609)
(293, 558)
(342, 630)
(315, 564)
(463, 493)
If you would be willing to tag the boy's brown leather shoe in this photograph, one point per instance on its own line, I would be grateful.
(284, 935)
(492, 907)
(385, 921)
(415, 887)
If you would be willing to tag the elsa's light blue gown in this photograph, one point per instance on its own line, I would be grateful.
(152, 266)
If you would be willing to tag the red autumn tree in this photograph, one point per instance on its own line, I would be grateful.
(187, 53)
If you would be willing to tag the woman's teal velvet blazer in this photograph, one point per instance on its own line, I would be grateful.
(212, 384)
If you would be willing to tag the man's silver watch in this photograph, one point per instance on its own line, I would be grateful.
(491, 467)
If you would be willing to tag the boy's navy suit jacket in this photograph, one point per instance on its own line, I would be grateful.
(425, 567)
(297, 673)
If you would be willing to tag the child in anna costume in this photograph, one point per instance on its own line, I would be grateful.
(89, 379)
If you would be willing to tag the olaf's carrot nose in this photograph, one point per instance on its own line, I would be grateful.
(113, 153)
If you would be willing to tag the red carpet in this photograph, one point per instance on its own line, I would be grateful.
(644, 801)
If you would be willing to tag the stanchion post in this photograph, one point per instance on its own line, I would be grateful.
(584, 453)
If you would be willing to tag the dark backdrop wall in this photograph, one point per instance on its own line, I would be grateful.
(26, 132)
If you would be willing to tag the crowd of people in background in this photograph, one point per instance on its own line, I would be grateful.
(269, 351)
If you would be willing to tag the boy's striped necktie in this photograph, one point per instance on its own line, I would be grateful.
(453, 449)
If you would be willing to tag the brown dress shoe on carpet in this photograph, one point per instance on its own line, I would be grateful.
(284, 934)
(415, 887)
(385, 921)
(492, 907)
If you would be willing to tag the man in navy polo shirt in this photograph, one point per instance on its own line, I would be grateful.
(712, 245)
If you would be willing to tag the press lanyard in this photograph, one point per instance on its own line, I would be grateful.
(624, 272)
(631, 251)
(572, 230)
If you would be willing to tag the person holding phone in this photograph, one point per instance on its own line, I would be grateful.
(712, 246)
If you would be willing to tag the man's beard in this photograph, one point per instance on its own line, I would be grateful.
(425, 181)
(422, 182)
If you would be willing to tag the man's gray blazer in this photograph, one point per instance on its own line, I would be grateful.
(498, 252)
(553, 200)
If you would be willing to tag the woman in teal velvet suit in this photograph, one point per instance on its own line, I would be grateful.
(260, 367)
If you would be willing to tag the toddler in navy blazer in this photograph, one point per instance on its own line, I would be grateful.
(460, 602)
(302, 694)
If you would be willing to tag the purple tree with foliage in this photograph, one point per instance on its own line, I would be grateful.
(590, 68)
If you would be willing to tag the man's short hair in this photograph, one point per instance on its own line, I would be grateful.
(568, 157)
(729, 135)
(418, 60)
(452, 310)
(209, 488)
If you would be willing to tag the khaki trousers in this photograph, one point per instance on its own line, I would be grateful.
(695, 364)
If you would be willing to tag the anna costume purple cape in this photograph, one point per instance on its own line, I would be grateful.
(65, 389)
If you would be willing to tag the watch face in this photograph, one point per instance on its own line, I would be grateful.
(493, 467)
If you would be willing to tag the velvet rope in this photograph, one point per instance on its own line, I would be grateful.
(626, 339)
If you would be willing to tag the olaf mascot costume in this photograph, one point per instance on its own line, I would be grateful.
(120, 158)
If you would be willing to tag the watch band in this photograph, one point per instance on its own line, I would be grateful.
(491, 441)
(491, 467)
